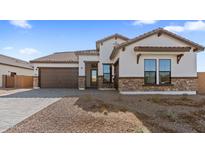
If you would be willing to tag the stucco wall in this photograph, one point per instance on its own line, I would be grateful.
(187, 67)
(105, 52)
(37, 65)
(82, 60)
(6, 70)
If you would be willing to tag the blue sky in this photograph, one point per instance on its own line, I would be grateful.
(31, 39)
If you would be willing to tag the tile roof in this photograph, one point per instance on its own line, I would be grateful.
(6, 60)
(111, 36)
(162, 48)
(64, 57)
(155, 31)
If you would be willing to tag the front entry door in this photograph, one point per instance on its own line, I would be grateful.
(93, 78)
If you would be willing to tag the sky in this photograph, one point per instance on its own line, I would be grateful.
(28, 40)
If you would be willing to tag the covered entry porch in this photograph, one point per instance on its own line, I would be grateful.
(91, 75)
(98, 76)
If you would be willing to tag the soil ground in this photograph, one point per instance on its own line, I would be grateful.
(111, 112)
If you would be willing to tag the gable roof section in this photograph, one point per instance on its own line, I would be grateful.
(64, 57)
(158, 31)
(10, 61)
(110, 37)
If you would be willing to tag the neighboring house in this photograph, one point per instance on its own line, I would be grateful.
(157, 62)
(12, 66)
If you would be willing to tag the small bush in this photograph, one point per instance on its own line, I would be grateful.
(170, 115)
(156, 99)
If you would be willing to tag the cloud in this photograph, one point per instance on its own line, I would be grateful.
(188, 26)
(21, 23)
(28, 51)
(7, 48)
(144, 22)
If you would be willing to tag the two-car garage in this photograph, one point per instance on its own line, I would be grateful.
(61, 69)
(58, 77)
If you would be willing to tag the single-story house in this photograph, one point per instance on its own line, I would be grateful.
(12, 66)
(157, 62)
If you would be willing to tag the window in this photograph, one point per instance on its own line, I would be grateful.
(150, 71)
(107, 73)
(164, 71)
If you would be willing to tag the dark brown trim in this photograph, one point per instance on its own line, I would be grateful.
(179, 57)
(138, 58)
(161, 49)
(16, 66)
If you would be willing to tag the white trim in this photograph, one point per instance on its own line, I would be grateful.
(81, 88)
(158, 92)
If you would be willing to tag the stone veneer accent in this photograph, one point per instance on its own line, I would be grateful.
(137, 84)
(35, 82)
(104, 85)
(81, 82)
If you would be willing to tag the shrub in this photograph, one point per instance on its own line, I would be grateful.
(156, 99)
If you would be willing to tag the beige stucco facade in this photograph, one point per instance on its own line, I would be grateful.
(131, 69)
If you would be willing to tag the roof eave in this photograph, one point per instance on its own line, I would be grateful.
(111, 36)
(59, 62)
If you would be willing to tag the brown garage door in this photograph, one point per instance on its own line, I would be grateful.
(58, 77)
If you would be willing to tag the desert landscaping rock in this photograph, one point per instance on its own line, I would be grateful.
(109, 112)
(65, 116)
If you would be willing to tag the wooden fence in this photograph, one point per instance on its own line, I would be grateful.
(201, 82)
(17, 81)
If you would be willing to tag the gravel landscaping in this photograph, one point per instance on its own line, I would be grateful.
(110, 112)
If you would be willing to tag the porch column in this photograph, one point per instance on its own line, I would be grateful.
(81, 82)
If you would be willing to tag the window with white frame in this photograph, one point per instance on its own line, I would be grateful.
(151, 73)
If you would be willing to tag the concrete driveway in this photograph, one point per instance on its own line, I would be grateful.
(17, 105)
